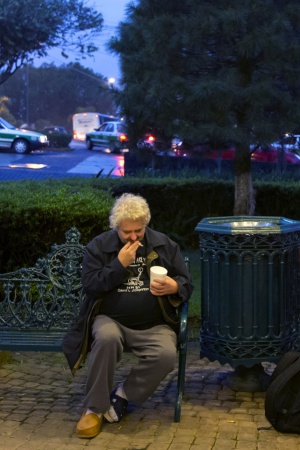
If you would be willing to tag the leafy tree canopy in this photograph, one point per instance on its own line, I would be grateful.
(29, 28)
(50, 95)
(4, 110)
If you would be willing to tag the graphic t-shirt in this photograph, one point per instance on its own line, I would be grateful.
(132, 303)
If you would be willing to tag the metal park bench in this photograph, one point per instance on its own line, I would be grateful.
(39, 304)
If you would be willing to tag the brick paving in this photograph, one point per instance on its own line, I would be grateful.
(40, 404)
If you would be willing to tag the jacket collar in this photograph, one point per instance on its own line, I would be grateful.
(111, 242)
(154, 239)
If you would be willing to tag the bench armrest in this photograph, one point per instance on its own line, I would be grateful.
(183, 326)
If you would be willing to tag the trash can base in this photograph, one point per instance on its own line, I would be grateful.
(248, 379)
(246, 352)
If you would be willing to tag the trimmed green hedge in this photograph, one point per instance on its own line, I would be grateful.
(36, 214)
(178, 205)
(278, 198)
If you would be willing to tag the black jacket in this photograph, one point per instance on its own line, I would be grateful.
(102, 271)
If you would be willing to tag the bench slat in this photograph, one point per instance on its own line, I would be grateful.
(31, 341)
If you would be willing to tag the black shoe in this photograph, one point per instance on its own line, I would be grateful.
(119, 404)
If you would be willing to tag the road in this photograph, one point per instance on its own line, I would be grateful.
(43, 164)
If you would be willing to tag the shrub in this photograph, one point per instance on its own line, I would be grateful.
(36, 214)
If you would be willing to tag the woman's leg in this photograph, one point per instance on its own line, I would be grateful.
(156, 352)
(106, 352)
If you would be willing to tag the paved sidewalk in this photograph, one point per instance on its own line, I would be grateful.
(40, 403)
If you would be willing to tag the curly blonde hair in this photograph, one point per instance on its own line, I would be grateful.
(129, 207)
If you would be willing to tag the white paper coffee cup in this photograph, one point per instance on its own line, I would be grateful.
(157, 272)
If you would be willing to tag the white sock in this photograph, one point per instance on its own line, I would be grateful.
(120, 392)
(111, 415)
(89, 411)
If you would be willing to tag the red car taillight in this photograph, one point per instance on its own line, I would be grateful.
(150, 138)
(123, 137)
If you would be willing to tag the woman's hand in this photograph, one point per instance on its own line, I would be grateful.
(167, 286)
(127, 254)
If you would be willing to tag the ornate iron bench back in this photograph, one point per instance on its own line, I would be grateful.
(48, 295)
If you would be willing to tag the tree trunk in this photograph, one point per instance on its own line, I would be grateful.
(244, 196)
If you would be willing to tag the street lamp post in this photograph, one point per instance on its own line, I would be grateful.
(111, 82)
(27, 94)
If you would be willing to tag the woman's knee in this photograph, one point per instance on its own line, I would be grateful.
(167, 355)
(106, 331)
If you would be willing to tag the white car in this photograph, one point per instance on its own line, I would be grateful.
(290, 142)
(19, 140)
(110, 137)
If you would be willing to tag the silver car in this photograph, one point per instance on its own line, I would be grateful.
(110, 137)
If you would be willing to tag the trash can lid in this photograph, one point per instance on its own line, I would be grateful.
(248, 225)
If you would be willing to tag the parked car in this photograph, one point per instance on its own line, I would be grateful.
(110, 137)
(55, 129)
(269, 153)
(290, 142)
(260, 153)
(181, 148)
(147, 142)
(19, 140)
(154, 143)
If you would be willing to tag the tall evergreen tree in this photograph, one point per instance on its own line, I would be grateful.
(225, 71)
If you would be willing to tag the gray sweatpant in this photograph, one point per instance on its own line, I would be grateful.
(155, 349)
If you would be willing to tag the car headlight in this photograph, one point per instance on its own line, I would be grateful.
(43, 139)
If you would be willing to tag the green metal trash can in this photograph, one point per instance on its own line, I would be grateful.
(249, 288)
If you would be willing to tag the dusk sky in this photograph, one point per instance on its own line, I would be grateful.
(104, 63)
